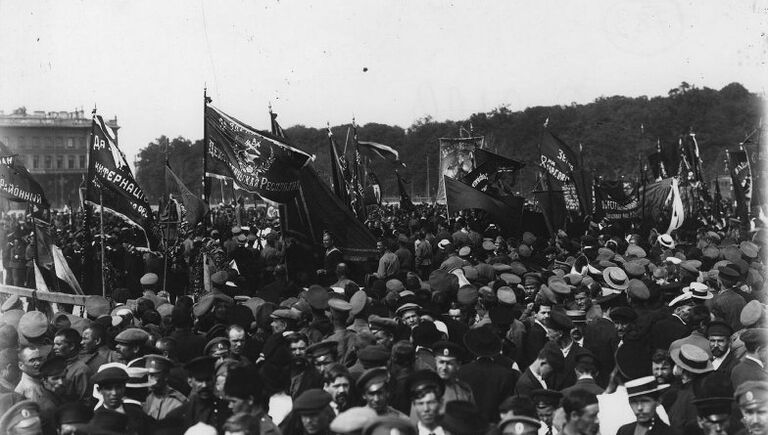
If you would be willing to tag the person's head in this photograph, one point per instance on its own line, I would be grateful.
(373, 385)
(756, 343)
(110, 383)
(9, 366)
(236, 335)
(542, 312)
(581, 410)
(410, 318)
(548, 361)
(239, 389)
(661, 366)
(684, 312)
(30, 360)
(643, 403)
(278, 325)
(200, 376)
(341, 270)
(158, 370)
(323, 355)
(66, 342)
(297, 342)
(167, 346)
(517, 406)
(53, 373)
(581, 298)
(447, 360)
(327, 240)
(313, 408)
(129, 343)
(752, 397)
(714, 415)
(337, 382)
(425, 390)
(94, 337)
(719, 335)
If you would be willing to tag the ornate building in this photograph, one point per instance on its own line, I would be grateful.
(54, 148)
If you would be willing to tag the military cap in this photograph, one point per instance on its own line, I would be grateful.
(132, 336)
(510, 278)
(751, 393)
(711, 252)
(317, 297)
(73, 413)
(407, 307)
(447, 349)
(501, 267)
(635, 251)
(236, 230)
(241, 382)
(506, 295)
(22, 418)
(9, 337)
(206, 302)
(634, 268)
(358, 301)
(543, 398)
(559, 286)
(638, 290)
(54, 366)
(560, 321)
(353, 420)
(374, 355)
(718, 328)
(394, 285)
(201, 367)
(216, 345)
(110, 375)
(390, 425)
(219, 278)
(573, 279)
(424, 380)
(284, 314)
(577, 316)
(340, 305)
(623, 315)
(519, 425)
(12, 303)
(729, 271)
(157, 363)
(425, 334)
(33, 325)
(377, 375)
(470, 273)
(755, 336)
(546, 293)
(751, 313)
(312, 401)
(465, 251)
(149, 279)
(322, 348)
(749, 249)
(467, 295)
(708, 406)
(382, 323)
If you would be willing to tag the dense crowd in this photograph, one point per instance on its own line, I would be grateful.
(454, 329)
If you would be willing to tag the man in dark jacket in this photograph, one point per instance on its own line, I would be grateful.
(643, 399)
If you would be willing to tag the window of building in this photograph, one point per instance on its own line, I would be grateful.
(59, 142)
(48, 162)
(35, 162)
(59, 162)
(49, 142)
(22, 142)
(82, 142)
(70, 162)
(7, 140)
(82, 162)
(70, 143)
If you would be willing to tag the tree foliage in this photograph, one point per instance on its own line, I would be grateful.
(615, 131)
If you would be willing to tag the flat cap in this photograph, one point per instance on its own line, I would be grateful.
(749, 249)
(312, 401)
(394, 285)
(506, 295)
(383, 323)
(510, 278)
(201, 367)
(96, 306)
(638, 290)
(110, 375)
(729, 271)
(751, 313)
(285, 314)
(216, 346)
(378, 375)
(373, 355)
(321, 348)
(33, 325)
(132, 336)
(149, 279)
(22, 418)
(407, 307)
(317, 296)
(467, 295)
(358, 301)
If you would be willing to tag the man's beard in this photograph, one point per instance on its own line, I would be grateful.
(717, 353)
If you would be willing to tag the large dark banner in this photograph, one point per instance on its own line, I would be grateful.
(557, 159)
(111, 182)
(493, 174)
(741, 174)
(505, 214)
(257, 161)
(17, 185)
(614, 201)
(456, 160)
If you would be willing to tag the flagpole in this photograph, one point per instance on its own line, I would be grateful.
(101, 231)
(167, 225)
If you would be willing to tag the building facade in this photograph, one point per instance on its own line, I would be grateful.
(53, 146)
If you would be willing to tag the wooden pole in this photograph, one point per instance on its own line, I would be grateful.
(101, 230)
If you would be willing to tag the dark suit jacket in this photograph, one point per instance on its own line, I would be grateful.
(747, 370)
(491, 383)
(601, 338)
(659, 428)
(527, 383)
(586, 384)
(535, 339)
(566, 377)
(728, 363)
(667, 330)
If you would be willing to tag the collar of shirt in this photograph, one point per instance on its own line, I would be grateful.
(438, 430)
(540, 379)
(679, 318)
(716, 362)
(760, 363)
(567, 349)
(585, 376)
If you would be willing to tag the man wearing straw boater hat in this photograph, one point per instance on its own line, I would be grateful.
(643, 399)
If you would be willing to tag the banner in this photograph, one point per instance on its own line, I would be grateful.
(338, 173)
(741, 174)
(506, 214)
(615, 200)
(405, 199)
(380, 150)
(17, 185)
(372, 192)
(456, 160)
(493, 174)
(553, 207)
(111, 181)
(658, 167)
(194, 208)
(256, 161)
(557, 159)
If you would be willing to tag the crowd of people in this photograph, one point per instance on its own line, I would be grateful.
(455, 328)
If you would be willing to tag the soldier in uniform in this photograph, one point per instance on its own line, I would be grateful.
(447, 355)
(373, 384)
(752, 398)
(203, 406)
(162, 398)
(22, 418)
(519, 425)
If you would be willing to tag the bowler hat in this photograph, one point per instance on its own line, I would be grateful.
(482, 341)
(462, 417)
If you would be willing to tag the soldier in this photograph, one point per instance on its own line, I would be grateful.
(447, 357)
(714, 415)
(162, 398)
(519, 425)
(752, 398)
(243, 390)
(373, 385)
(546, 402)
(22, 418)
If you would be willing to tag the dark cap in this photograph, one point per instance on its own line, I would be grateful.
(201, 367)
(425, 334)
(447, 349)
(462, 417)
(23, 417)
(240, 382)
(382, 323)
(422, 381)
(389, 425)
(713, 406)
(374, 355)
(519, 425)
(73, 413)
(755, 337)
(322, 348)
(719, 328)
(543, 398)
(729, 271)
(378, 375)
(623, 315)
(54, 366)
(312, 401)
(560, 321)
(132, 336)
(110, 375)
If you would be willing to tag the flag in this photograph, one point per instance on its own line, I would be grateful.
(493, 174)
(557, 159)
(372, 192)
(678, 213)
(615, 201)
(460, 196)
(356, 195)
(383, 151)
(338, 169)
(741, 174)
(456, 160)
(195, 208)
(405, 199)
(111, 182)
(277, 131)
(256, 161)
(553, 205)
(52, 266)
(17, 185)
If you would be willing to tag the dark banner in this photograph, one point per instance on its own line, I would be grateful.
(17, 185)
(557, 159)
(553, 207)
(741, 175)
(258, 162)
(505, 214)
(111, 182)
(658, 167)
(405, 199)
(456, 160)
(615, 200)
(493, 174)
(194, 208)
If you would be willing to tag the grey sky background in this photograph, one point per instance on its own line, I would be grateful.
(147, 61)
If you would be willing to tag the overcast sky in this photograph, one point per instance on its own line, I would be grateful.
(147, 61)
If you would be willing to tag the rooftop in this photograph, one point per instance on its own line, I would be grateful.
(40, 118)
